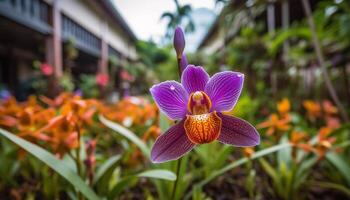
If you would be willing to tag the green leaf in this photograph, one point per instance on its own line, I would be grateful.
(239, 162)
(159, 174)
(105, 167)
(163, 122)
(50, 160)
(126, 133)
(125, 181)
(341, 164)
(330, 185)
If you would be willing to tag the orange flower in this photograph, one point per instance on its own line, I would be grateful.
(7, 121)
(64, 135)
(132, 111)
(283, 107)
(329, 108)
(324, 142)
(313, 109)
(332, 122)
(152, 132)
(248, 151)
(297, 136)
(275, 124)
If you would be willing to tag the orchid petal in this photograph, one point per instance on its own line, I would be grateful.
(237, 132)
(194, 79)
(224, 89)
(171, 99)
(171, 145)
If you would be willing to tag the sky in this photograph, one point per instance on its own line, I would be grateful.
(143, 16)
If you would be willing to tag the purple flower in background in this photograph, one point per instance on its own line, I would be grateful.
(197, 103)
(78, 92)
(5, 94)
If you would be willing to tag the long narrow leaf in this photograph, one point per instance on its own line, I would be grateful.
(330, 185)
(159, 174)
(341, 164)
(126, 133)
(125, 181)
(105, 167)
(239, 162)
(50, 160)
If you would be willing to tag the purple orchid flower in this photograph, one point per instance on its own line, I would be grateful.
(197, 103)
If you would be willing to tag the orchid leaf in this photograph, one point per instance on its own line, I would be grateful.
(126, 133)
(158, 174)
(105, 167)
(125, 181)
(238, 163)
(50, 160)
(341, 164)
(330, 185)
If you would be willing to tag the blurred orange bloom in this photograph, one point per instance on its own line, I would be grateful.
(324, 142)
(248, 151)
(152, 132)
(275, 124)
(313, 109)
(132, 111)
(297, 136)
(283, 107)
(332, 122)
(329, 108)
(64, 135)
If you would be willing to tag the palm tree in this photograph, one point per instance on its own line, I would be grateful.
(180, 17)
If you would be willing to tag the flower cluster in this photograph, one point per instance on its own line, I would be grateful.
(278, 122)
(54, 122)
(132, 111)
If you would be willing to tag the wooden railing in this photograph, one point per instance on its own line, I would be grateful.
(84, 39)
(30, 13)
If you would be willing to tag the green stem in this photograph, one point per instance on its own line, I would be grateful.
(78, 161)
(177, 179)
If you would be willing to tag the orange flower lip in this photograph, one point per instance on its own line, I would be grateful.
(203, 128)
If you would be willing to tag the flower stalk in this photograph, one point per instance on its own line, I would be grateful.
(179, 45)
(78, 161)
(173, 194)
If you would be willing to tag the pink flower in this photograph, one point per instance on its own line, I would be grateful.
(102, 79)
(126, 76)
(46, 69)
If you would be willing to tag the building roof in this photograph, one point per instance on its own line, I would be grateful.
(108, 6)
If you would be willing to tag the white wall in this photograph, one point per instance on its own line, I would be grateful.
(88, 17)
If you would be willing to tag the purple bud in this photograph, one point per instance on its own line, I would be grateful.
(183, 63)
(5, 94)
(78, 92)
(179, 42)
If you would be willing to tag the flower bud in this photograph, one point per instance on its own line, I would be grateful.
(183, 63)
(179, 42)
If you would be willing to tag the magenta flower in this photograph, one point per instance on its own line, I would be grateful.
(46, 69)
(102, 79)
(197, 103)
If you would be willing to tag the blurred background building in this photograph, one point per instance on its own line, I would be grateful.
(44, 30)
